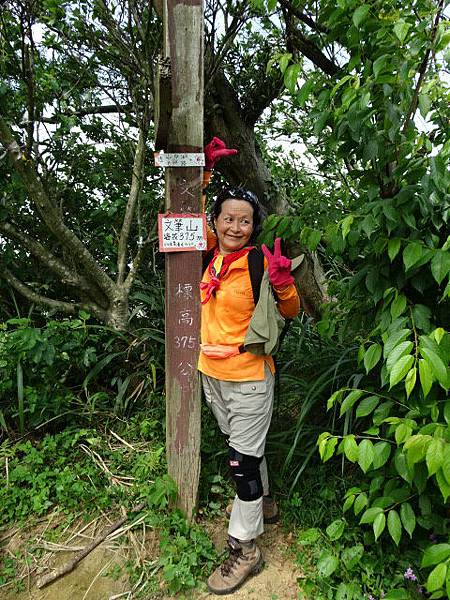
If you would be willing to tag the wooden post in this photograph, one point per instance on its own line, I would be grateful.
(183, 47)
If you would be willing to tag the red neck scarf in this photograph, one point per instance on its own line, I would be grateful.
(214, 284)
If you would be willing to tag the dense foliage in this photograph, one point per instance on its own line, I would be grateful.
(358, 92)
(394, 242)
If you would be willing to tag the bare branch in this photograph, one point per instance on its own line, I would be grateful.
(88, 110)
(136, 186)
(301, 16)
(298, 43)
(423, 68)
(66, 275)
(65, 307)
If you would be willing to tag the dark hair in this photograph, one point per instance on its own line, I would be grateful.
(238, 193)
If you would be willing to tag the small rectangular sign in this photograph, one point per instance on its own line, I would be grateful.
(181, 232)
(179, 159)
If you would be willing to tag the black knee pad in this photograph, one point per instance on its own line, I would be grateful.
(245, 472)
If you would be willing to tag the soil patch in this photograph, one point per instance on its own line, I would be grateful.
(101, 575)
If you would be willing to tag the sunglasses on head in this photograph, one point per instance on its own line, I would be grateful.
(238, 193)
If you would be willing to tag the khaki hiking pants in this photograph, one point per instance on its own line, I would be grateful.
(243, 410)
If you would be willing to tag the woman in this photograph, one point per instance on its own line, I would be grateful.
(238, 385)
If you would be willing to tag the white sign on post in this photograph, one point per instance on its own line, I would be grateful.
(181, 232)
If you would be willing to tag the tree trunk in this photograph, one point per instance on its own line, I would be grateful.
(226, 119)
(117, 314)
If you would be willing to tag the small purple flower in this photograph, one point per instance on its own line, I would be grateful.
(420, 589)
(371, 597)
(433, 537)
(409, 574)
(382, 595)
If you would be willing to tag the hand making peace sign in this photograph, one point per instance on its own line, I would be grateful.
(279, 266)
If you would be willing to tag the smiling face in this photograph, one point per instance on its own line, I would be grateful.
(234, 225)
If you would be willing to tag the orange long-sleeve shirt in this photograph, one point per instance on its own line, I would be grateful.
(225, 319)
(226, 316)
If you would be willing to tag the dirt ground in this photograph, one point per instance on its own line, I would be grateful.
(278, 579)
(101, 576)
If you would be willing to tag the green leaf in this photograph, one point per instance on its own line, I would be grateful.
(446, 463)
(444, 486)
(381, 454)
(348, 503)
(328, 452)
(446, 412)
(367, 405)
(309, 536)
(304, 92)
(346, 225)
(320, 122)
(284, 61)
(416, 447)
(401, 30)
(350, 448)
(403, 348)
(410, 381)
(380, 64)
(339, 84)
(442, 44)
(437, 366)
(350, 400)
(435, 455)
(365, 455)
(412, 254)
(397, 594)
(426, 376)
(394, 339)
(440, 265)
(378, 525)
(336, 396)
(421, 315)
(438, 334)
(360, 503)
(398, 306)
(360, 14)
(424, 104)
(405, 471)
(437, 577)
(352, 555)
(408, 517)
(291, 77)
(370, 515)
(381, 412)
(394, 245)
(394, 526)
(402, 433)
(335, 529)
(322, 442)
(435, 554)
(399, 370)
(327, 564)
(372, 356)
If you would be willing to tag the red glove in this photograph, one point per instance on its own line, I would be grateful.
(279, 266)
(214, 151)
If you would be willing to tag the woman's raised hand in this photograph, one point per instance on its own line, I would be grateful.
(279, 266)
(214, 151)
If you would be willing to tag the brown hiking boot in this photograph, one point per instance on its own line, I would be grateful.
(244, 559)
(270, 510)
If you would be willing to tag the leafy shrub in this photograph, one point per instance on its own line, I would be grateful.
(69, 366)
(187, 554)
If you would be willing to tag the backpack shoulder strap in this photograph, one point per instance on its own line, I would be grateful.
(256, 271)
(206, 259)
